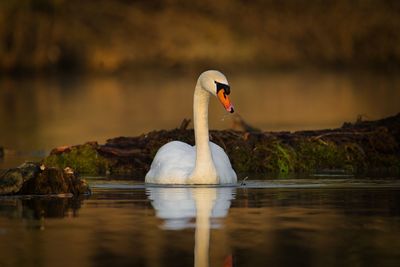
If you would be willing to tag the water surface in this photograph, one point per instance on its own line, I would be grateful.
(264, 223)
(41, 113)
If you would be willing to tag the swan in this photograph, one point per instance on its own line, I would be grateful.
(205, 163)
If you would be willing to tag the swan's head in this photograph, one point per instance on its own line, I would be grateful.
(216, 84)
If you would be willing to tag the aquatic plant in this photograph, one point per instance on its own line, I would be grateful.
(83, 159)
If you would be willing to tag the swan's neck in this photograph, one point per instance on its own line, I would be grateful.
(204, 171)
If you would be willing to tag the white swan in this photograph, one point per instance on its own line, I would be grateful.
(205, 163)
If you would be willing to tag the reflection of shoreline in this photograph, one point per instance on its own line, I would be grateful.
(37, 208)
(177, 206)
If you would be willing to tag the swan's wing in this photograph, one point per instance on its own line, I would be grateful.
(223, 165)
(172, 164)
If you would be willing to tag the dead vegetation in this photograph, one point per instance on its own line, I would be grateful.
(361, 147)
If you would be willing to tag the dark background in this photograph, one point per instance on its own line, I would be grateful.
(114, 36)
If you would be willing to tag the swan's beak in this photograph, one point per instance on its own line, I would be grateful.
(224, 99)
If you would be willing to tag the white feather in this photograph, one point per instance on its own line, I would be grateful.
(175, 161)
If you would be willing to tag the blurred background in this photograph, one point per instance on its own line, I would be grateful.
(74, 71)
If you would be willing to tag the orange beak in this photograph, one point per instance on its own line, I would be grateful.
(224, 99)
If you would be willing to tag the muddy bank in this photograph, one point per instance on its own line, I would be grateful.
(363, 146)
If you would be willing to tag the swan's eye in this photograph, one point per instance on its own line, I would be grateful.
(221, 86)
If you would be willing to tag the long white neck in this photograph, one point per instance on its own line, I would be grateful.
(204, 171)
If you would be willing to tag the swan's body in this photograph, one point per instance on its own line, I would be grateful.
(176, 160)
(206, 162)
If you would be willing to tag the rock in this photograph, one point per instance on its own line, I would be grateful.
(11, 182)
(13, 179)
(36, 179)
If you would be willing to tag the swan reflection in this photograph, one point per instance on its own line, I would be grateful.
(178, 206)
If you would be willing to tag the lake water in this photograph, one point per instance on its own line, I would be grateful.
(315, 222)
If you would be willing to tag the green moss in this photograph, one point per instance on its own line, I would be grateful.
(384, 163)
(285, 157)
(270, 156)
(316, 155)
(242, 159)
(355, 158)
(308, 156)
(83, 159)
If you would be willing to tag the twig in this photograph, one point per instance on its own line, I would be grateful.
(244, 180)
(340, 133)
(184, 124)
